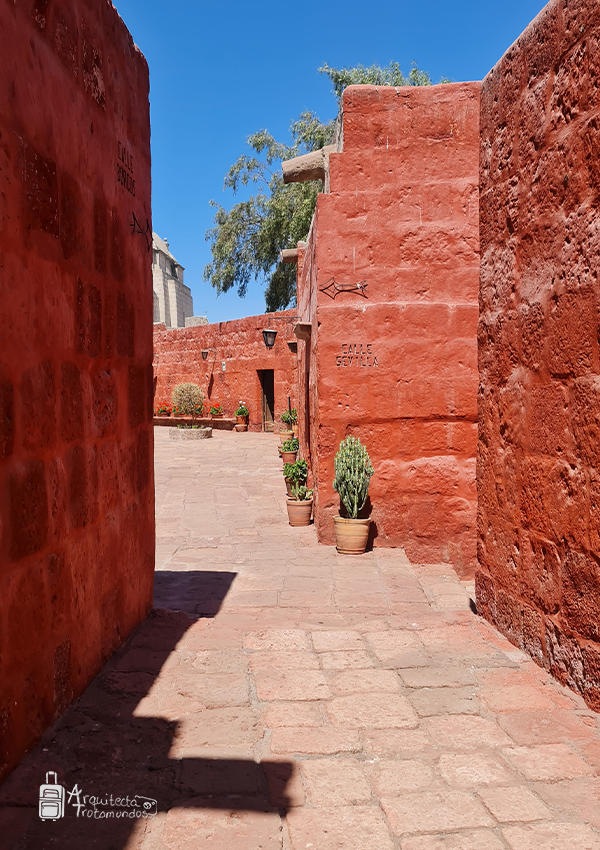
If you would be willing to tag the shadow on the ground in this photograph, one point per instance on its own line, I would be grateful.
(198, 593)
(99, 748)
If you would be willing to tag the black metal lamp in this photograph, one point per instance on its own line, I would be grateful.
(269, 337)
(205, 351)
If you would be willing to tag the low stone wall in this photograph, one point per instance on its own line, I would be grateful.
(223, 424)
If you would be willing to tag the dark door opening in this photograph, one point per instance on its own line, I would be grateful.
(267, 385)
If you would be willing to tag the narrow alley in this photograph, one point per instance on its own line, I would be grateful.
(284, 696)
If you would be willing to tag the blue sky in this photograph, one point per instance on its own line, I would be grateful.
(222, 70)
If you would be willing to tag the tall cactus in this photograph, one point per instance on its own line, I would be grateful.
(353, 472)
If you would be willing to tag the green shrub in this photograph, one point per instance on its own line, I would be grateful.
(188, 399)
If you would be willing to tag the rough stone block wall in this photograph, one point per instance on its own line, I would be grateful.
(240, 345)
(398, 368)
(76, 443)
(538, 473)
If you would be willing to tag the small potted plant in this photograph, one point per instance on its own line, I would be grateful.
(295, 474)
(299, 505)
(289, 450)
(288, 417)
(353, 473)
(216, 409)
(242, 413)
(164, 410)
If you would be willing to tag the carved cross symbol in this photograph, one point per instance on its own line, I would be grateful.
(332, 288)
(136, 227)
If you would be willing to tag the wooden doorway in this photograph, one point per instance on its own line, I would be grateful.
(267, 385)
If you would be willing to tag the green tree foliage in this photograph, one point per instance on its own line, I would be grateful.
(246, 241)
(374, 75)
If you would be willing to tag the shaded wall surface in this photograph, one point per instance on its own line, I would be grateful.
(76, 475)
(231, 371)
(396, 363)
(538, 472)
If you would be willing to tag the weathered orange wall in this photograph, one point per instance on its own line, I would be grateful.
(538, 473)
(240, 344)
(402, 215)
(76, 444)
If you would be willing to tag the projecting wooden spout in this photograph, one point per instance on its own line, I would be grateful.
(311, 166)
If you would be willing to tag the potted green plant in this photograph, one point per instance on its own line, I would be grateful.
(187, 400)
(289, 450)
(299, 505)
(216, 409)
(242, 413)
(164, 410)
(294, 474)
(353, 473)
(290, 418)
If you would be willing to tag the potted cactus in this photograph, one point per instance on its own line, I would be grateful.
(299, 505)
(353, 473)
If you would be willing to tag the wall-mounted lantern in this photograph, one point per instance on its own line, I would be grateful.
(269, 337)
(205, 351)
(269, 334)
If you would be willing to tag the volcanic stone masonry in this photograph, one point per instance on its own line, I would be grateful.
(237, 365)
(76, 441)
(538, 473)
(387, 290)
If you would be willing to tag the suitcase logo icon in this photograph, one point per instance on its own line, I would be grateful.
(52, 799)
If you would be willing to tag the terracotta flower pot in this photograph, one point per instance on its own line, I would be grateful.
(299, 512)
(289, 457)
(288, 487)
(351, 535)
(285, 435)
(242, 420)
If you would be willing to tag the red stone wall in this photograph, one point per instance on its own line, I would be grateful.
(76, 472)
(402, 216)
(538, 474)
(240, 346)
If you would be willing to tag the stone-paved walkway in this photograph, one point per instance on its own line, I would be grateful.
(294, 698)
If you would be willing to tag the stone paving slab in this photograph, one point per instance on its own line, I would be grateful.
(282, 696)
